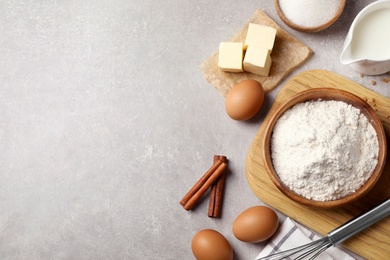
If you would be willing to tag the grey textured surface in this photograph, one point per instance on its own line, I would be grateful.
(106, 122)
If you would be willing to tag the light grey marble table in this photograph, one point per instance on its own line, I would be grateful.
(106, 121)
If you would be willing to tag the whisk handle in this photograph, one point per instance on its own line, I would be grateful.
(359, 223)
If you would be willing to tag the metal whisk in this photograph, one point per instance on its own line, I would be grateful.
(336, 236)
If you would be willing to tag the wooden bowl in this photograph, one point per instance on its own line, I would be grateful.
(313, 29)
(326, 94)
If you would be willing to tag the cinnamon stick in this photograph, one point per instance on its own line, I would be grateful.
(213, 177)
(200, 182)
(219, 196)
(216, 192)
(213, 191)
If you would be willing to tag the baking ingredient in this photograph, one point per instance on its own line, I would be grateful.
(214, 178)
(244, 100)
(257, 60)
(203, 184)
(255, 224)
(259, 43)
(209, 244)
(324, 150)
(261, 36)
(309, 13)
(371, 38)
(230, 56)
(291, 53)
(217, 192)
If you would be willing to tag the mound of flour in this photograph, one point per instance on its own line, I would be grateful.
(324, 150)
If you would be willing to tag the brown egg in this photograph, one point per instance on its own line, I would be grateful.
(244, 100)
(255, 224)
(209, 244)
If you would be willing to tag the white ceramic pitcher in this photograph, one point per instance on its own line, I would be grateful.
(375, 59)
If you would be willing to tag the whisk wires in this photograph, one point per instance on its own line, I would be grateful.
(309, 251)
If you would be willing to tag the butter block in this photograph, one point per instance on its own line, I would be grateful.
(257, 60)
(230, 56)
(260, 36)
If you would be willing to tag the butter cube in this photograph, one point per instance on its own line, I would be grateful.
(257, 60)
(230, 56)
(260, 36)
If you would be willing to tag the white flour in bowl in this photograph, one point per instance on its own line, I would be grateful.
(324, 150)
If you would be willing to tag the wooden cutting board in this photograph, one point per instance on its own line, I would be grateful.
(374, 242)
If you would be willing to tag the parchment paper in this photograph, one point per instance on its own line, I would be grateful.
(288, 54)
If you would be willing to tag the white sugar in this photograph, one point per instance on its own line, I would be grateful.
(309, 13)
